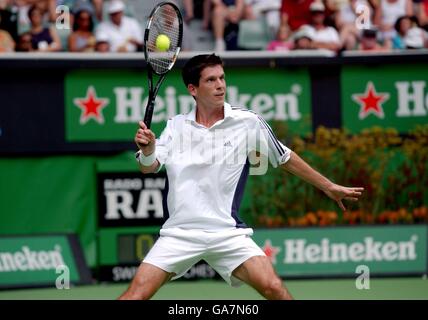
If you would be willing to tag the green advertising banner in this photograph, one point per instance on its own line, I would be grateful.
(41, 260)
(107, 105)
(393, 96)
(302, 252)
(56, 194)
(338, 251)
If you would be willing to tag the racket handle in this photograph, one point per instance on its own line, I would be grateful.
(149, 113)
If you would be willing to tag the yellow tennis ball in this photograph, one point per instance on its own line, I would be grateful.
(162, 42)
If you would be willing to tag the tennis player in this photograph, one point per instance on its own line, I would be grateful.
(205, 154)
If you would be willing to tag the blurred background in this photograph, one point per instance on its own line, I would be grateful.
(342, 82)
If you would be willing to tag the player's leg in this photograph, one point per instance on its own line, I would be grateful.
(148, 279)
(170, 257)
(258, 272)
(239, 257)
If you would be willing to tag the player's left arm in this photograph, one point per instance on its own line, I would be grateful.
(297, 166)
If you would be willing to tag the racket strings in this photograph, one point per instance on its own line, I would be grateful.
(166, 22)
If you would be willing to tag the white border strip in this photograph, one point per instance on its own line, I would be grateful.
(183, 55)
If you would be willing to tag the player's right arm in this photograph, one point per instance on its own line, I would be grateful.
(146, 143)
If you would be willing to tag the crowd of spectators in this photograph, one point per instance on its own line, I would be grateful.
(118, 25)
(364, 25)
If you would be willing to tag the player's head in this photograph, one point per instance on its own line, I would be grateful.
(204, 78)
(191, 72)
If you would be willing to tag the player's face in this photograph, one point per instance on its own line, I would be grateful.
(212, 87)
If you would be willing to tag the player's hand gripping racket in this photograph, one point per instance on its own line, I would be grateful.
(162, 44)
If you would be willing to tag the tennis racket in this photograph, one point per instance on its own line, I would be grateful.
(164, 20)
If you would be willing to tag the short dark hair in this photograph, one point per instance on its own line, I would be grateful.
(191, 72)
(369, 33)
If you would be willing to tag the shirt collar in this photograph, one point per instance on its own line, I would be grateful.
(227, 110)
(191, 116)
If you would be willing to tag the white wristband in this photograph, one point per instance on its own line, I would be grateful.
(146, 161)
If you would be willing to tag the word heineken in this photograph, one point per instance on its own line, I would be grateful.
(299, 251)
(411, 100)
(28, 260)
(130, 104)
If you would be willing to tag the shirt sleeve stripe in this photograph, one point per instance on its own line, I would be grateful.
(272, 135)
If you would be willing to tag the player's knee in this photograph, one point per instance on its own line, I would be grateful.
(272, 288)
(138, 290)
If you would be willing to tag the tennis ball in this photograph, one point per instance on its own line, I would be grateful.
(162, 42)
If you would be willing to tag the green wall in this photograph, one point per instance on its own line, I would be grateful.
(49, 195)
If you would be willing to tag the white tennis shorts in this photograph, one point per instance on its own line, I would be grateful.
(177, 250)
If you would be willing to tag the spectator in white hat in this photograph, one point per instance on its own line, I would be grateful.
(303, 39)
(125, 33)
(324, 37)
(102, 43)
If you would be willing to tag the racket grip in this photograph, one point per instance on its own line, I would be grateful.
(149, 113)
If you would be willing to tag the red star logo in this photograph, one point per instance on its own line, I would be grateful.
(91, 106)
(270, 251)
(371, 101)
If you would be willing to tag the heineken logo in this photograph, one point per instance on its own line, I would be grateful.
(26, 259)
(371, 102)
(91, 106)
(106, 105)
(411, 100)
(130, 103)
(300, 251)
(386, 97)
(270, 251)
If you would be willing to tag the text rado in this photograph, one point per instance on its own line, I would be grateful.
(133, 198)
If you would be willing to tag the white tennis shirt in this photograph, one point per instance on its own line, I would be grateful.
(207, 168)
